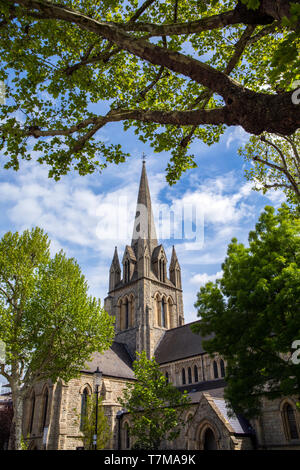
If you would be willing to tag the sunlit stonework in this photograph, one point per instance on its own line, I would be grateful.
(145, 297)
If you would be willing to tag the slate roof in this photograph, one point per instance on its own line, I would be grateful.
(207, 385)
(239, 424)
(115, 362)
(130, 251)
(179, 343)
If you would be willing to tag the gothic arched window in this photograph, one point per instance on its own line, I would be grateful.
(215, 366)
(163, 313)
(196, 374)
(290, 422)
(161, 266)
(183, 376)
(157, 309)
(32, 408)
(222, 367)
(147, 264)
(210, 442)
(167, 377)
(128, 271)
(170, 320)
(190, 375)
(131, 310)
(126, 314)
(125, 271)
(45, 408)
(127, 436)
(83, 412)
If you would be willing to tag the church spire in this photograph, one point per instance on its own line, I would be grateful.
(174, 258)
(144, 226)
(174, 270)
(115, 271)
(115, 262)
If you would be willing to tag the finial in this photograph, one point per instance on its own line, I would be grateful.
(144, 158)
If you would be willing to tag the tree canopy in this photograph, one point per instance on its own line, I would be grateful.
(48, 323)
(276, 163)
(253, 310)
(155, 406)
(173, 70)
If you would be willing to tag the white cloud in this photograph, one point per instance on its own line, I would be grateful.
(238, 135)
(79, 215)
(277, 197)
(202, 279)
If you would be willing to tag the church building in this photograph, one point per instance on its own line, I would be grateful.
(145, 297)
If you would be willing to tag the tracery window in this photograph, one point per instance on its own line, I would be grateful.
(161, 269)
(163, 313)
(222, 367)
(190, 375)
(215, 367)
(126, 314)
(196, 374)
(32, 409)
(289, 416)
(83, 412)
(45, 408)
(183, 376)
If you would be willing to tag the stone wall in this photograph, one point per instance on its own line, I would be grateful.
(271, 427)
(64, 407)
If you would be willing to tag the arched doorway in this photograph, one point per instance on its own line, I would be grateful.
(209, 440)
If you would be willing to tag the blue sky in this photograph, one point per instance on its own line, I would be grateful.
(79, 212)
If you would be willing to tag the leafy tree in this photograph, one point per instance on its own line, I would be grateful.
(104, 433)
(276, 163)
(173, 70)
(156, 407)
(49, 324)
(254, 312)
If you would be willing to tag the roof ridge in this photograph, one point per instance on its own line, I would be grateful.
(182, 326)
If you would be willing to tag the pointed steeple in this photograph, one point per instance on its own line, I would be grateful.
(144, 226)
(174, 270)
(115, 271)
(115, 262)
(174, 258)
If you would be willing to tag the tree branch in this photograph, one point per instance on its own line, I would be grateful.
(103, 57)
(254, 116)
(141, 10)
(2, 372)
(211, 116)
(281, 170)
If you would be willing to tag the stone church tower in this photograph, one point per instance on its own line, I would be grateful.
(147, 306)
(144, 300)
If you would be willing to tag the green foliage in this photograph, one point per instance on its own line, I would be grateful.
(48, 323)
(54, 80)
(251, 4)
(156, 407)
(24, 444)
(275, 163)
(104, 432)
(253, 310)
